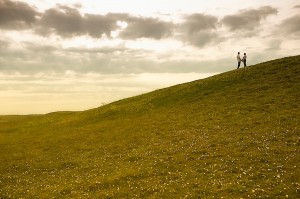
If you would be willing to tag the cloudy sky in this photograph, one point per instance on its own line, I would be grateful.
(75, 55)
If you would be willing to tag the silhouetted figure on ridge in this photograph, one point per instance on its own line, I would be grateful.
(238, 60)
(244, 59)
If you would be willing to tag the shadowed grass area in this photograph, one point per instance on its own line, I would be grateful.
(234, 135)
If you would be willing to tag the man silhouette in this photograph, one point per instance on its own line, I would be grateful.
(244, 59)
(239, 60)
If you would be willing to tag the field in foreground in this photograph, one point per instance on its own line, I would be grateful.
(234, 135)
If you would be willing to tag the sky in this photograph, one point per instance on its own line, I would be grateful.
(75, 55)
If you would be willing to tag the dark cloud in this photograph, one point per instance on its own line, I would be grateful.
(297, 6)
(143, 27)
(64, 21)
(291, 26)
(120, 16)
(97, 25)
(68, 22)
(146, 28)
(199, 22)
(199, 29)
(16, 15)
(248, 19)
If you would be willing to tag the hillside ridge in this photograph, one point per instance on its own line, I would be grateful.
(233, 135)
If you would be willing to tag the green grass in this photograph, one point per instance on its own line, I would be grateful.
(234, 135)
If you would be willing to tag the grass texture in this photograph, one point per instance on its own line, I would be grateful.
(233, 135)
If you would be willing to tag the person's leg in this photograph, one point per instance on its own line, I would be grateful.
(245, 63)
(239, 63)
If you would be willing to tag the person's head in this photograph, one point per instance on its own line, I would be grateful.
(238, 52)
(244, 53)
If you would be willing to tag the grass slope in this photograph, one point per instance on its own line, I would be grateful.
(234, 135)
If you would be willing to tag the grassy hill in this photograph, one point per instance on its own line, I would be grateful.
(233, 135)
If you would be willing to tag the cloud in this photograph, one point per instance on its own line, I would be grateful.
(103, 50)
(38, 58)
(96, 25)
(64, 21)
(68, 22)
(31, 58)
(198, 22)
(297, 6)
(201, 38)
(111, 57)
(290, 26)
(16, 15)
(3, 44)
(142, 27)
(199, 29)
(248, 19)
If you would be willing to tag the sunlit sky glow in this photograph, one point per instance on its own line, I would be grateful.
(75, 55)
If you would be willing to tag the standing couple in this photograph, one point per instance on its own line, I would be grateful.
(243, 60)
